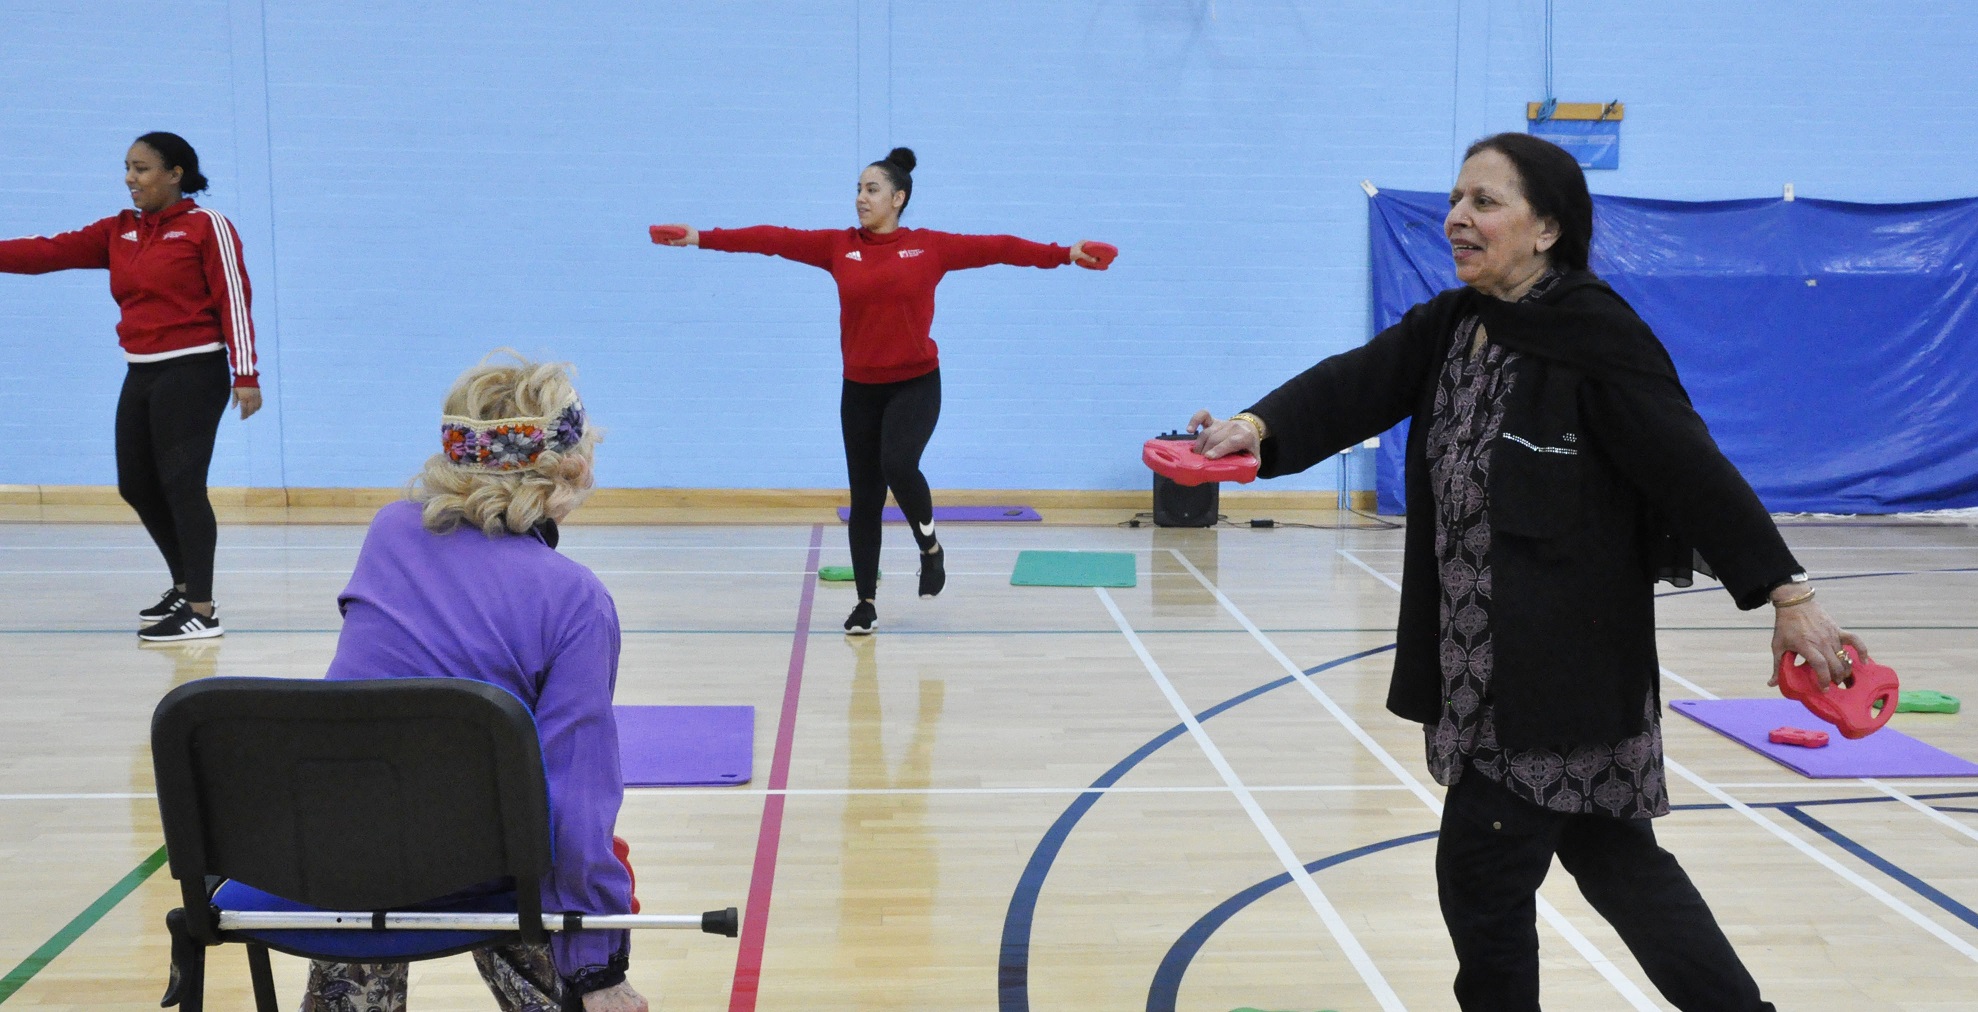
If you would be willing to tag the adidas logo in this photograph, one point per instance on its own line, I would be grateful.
(854, 255)
(132, 236)
(909, 253)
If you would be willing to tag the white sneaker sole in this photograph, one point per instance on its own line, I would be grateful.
(210, 632)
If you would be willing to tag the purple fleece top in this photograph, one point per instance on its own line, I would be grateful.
(511, 612)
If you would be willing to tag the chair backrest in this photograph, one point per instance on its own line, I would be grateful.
(350, 795)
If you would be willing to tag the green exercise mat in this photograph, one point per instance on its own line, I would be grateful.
(1073, 569)
(1926, 701)
(836, 574)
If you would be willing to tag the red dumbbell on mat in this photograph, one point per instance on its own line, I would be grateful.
(1798, 736)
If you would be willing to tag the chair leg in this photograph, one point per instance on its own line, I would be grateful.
(264, 978)
(187, 989)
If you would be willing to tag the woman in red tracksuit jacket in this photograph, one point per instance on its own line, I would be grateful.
(886, 277)
(176, 273)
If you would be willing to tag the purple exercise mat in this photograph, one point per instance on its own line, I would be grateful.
(1886, 753)
(958, 514)
(681, 746)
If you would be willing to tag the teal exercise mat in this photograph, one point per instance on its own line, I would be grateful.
(1073, 569)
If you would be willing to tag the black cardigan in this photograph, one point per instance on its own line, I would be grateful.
(1600, 457)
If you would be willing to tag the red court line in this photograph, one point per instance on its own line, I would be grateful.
(755, 921)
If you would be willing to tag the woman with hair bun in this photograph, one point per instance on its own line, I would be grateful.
(176, 272)
(891, 399)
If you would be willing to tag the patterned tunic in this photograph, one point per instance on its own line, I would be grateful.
(1624, 779)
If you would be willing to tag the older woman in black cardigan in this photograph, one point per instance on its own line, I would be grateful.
(1553, 464)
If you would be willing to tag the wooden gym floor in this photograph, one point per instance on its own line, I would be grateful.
(995, 803)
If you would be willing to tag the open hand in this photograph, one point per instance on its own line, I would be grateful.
(1221, 438)
(249, 399)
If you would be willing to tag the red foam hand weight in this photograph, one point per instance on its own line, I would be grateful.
(1798, 736)
(1102, 252)
(623, 852)
(667, 233)
(1177, 461)
(1852, 708)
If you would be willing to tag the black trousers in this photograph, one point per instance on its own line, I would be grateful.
(1496, 848)
(167, 418)
(887, 426)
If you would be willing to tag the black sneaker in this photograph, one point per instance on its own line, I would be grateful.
(863, 620)
(170, 601)
(933, 572)
(184, 624)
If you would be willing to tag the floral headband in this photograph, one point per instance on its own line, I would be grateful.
(509, 444)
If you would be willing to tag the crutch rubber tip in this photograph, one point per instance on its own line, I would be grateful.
(722, 922)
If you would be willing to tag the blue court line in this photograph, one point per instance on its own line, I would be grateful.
(1885, 866)
(1013, 968)
(1166, 986)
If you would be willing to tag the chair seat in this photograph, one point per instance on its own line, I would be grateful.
(364, 945)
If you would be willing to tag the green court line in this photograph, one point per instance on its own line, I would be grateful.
(20, 975)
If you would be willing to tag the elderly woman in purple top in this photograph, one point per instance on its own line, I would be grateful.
(464, 581)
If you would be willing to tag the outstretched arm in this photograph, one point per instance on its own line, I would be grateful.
(805, 246)
(963, 252)
(85, 248)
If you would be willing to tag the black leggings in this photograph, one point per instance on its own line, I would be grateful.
(167, 419)
(887, 425)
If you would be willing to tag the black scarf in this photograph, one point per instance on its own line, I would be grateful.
(1602, 339)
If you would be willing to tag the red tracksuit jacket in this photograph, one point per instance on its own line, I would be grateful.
(886, 284)
(177, 275)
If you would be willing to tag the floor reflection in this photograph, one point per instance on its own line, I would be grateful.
(889, 865)
(1176, 590)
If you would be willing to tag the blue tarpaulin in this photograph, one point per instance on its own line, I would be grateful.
(1831, 347)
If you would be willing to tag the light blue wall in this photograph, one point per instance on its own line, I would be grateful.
(417, 185)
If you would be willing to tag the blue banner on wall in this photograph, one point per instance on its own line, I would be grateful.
(1832, 347)
(1595, 144)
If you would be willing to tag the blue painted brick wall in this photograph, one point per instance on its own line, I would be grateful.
(420, 185)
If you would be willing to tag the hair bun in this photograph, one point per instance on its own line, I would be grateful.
(902, 157)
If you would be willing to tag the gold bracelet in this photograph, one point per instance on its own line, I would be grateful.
(1801, 599)
(1254, 422)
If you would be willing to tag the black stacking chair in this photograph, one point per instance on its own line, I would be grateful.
(329, 820)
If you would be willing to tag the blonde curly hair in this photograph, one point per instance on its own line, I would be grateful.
(511, 501)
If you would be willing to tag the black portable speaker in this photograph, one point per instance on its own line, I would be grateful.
(1185, 505)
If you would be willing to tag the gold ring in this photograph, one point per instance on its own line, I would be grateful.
(1844, 658)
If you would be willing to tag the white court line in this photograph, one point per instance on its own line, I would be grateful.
(967, 791)
(1879, 785)
(1375, 573)
(1847, 874)
(75, 797)
(757, 792)
(1580, 943)
(1341, 933)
